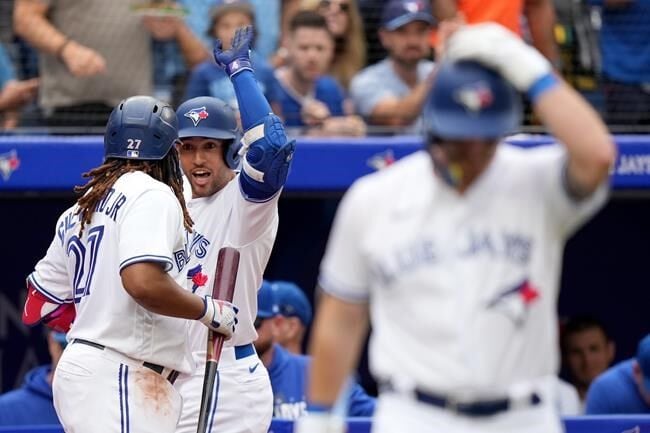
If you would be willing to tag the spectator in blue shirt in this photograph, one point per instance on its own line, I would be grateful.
(289, 371)
(308, 97)
(625, 387)
(624, 37)
(32, 403)
(208, 79)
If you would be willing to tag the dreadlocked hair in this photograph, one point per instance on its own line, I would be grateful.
(102, 178)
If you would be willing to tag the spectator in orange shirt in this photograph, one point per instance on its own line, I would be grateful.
(539, 14)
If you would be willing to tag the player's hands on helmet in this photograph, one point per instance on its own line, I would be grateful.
(219, 316)
(497, 47)
(236, 58)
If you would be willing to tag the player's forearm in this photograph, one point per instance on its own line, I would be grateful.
(541, 19)
(155, 290)
(30, 24)
(575, 124)
(338, 335)
(253, 105)
(191, 47)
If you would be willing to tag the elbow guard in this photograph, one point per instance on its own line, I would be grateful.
(268, 154)
(39, 309)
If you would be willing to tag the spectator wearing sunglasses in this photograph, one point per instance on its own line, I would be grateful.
(32, 404)
(277, 302)
(345, 23)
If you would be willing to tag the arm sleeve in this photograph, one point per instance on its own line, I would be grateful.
(149, 230)
(344, 270)
(50, 276)
(253, 106)
(548, 165)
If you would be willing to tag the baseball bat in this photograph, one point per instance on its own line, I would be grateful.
(223, 288)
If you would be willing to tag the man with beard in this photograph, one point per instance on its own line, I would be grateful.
(392, 92)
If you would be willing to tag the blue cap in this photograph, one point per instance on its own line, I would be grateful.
(398, 13)
(266, 301)
(643, 358)
(291, 301)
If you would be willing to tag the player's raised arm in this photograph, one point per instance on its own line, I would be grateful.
(267, 150)
(569, 117)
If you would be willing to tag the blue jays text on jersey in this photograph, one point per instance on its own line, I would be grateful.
(197, 246)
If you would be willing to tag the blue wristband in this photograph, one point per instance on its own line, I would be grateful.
(238, 65)
(539, 87)
(319, 408)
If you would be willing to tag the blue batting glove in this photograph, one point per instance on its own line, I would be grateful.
(237, 57)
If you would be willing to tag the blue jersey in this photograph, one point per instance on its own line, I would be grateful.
(616, 392)
(31, 404)
(289, 374)
(326, 90)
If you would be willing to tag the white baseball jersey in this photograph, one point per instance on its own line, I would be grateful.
(227, 219)
(463, 287)
(139, 220)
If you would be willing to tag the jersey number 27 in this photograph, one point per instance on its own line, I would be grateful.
(85, 259)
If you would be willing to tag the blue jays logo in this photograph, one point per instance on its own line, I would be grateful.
(9, 163)
(381, 160)
(197, 114)
(414, 6)
(474, 97)
(197, 277)
(515, 302)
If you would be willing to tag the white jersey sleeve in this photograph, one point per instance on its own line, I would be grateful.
(549, 165)
(344, 271)
(149, 229)
(50, 276)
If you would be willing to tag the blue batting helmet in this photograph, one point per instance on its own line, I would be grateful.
(209, 117)
(468, 100)
(140, 127)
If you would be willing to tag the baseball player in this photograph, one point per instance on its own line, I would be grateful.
(115, 267)
(238, 209)
(294, 315)
(455, 252)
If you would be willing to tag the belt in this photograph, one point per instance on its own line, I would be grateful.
(475, 408)
(244, 351)
(171, 377)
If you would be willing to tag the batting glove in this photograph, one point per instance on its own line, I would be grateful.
(219, 316)
(319, 422)
(237, 58)
(497, 47)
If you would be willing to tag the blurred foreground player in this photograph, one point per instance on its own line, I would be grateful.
(455, 252)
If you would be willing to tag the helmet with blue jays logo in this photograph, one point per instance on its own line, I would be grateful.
(140, 127)
(468, 100)
(209, 117)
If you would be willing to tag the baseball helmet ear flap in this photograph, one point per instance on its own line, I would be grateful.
(231, 152)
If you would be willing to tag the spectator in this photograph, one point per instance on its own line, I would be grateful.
(624, 37)
(294, 315)
(13, 94)
(344, 22)
(587, 351)
(623, 388)
(309, 98)
(288, 371)
(32, 403)
(392, 92)
(539, 14)
(208, 79)
(92, 58)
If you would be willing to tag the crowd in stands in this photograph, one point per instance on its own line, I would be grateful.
(328, 67)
